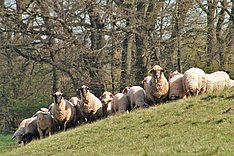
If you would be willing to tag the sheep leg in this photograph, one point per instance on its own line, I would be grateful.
(40, 133)
(65, 126)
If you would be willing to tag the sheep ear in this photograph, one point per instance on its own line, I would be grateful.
(151, 71)
(125, 91)
(162, 70)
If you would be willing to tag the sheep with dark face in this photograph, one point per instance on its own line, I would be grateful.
(106, 99)
(159, 86)
(90, 105)
(27, 131)
(63, 111)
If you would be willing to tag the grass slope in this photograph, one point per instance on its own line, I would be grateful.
(193, 126)
(6, 137)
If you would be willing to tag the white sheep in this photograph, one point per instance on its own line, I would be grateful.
(176, 87)
(75, 101)
(173, 73)
(45, 123)
(26, 131)
(231, 83)
(217, 81)
(63, 111)
(159, 86)
(194, 81)
(79, 115)
(120, 103)
(106, 99)
(147, 87)
(136, 96)
(90, 106)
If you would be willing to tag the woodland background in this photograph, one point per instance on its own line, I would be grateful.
(50, 45)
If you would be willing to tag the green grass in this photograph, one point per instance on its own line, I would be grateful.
(6, 143)
(193, 126)
(6, 137)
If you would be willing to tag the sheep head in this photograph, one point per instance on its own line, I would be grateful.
(83, 90)
(58, 96)
(173, 73)
(18, 135)
(106, 98)
(157, 72)
(75, 101)
(125, 90)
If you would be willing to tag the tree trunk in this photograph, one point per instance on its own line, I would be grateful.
(211, 42)
(220, 37)
(230, 36)
(139, 66)
(126, 54)
(97, 39)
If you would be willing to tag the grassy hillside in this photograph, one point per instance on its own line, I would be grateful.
(193, 126)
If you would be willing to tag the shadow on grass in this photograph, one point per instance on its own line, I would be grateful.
(209, 97)
(230, 97)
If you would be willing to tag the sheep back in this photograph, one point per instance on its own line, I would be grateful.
(136, 97)
(176, 87)
(120, 103)
(194, 81)
(217, 81)
(147, 87)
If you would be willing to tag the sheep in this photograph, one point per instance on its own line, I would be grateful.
(135, 96)
(106, 99)
(63, 111)
(217, 81)
(90, 106)
(146, 84)
(173, 73)
(176, 87)
(231, 83)
(75, 101)
(26, 131)
(194, 81)
(79, 115)
(159, 86)
(45, 123)
(120, 103)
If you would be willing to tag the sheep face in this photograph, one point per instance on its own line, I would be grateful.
(156, 72)
(75, 101)
(106, 98)
(18, 135)
(83, 90)
(57, 97)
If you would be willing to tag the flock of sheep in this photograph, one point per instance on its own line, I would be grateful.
(63, 114)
